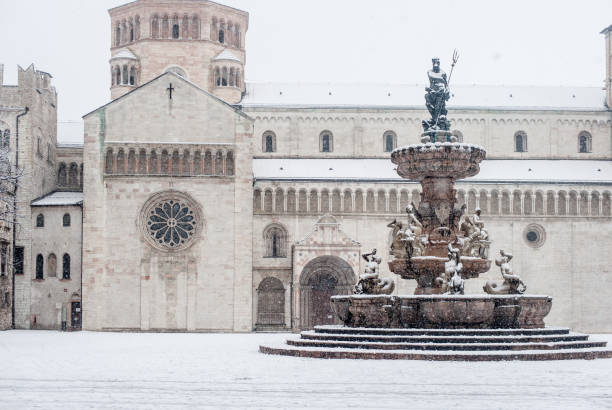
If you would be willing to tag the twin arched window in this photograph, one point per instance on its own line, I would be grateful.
(520, 142)
(275, 239)
(326, 142)
(389, 141)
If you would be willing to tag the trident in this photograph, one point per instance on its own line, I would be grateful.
(441, 102)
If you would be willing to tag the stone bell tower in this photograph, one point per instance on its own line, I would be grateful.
(198, 39)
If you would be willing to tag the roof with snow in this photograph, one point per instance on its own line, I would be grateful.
(227, 55)
(124, 53)
(412, 96)
(59, 199)
(383, 170)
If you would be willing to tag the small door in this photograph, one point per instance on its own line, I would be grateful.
(75, 315)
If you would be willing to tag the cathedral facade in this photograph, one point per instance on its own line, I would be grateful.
(211, 204)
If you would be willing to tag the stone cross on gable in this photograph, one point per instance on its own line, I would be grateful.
(170, 89)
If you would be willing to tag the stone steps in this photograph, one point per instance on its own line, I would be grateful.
(337, 342)
(472, 346)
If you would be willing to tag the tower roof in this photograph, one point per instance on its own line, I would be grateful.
(227, 55)
(124, 53)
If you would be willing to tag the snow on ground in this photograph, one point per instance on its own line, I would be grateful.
(54, 370)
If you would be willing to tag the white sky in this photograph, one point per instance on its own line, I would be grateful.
(391, 41)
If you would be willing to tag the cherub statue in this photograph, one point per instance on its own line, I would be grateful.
(512, 283)
(398, 245)
(452, 268)
(369, 283)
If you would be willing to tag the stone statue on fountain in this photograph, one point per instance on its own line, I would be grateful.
(513, 285)
(475, 241)
(369, 283)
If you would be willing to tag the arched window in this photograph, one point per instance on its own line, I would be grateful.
(164, 27)
(132, 75)
(217, 77)
(275, 240)
(40, 221)
(224, 77)
(137, 28)
(109, 161)
(73, 175)
(229, 163)
(389, 141)
(120, 161)
(117, 35)
(131, 28)
(520, 142)
(124, 77)
(270, 303)
(175, 31)
(185, 26)
(6, 141)
(61, 174)
(232, 75)
(221, 36)
(39, 267)
(268, 141)
(117, 76)
(153, 163)
(195, 28)
(219, 163)
(51, 266)
(326, 142)
(66, 266)
(208, 163)
(175, 163)
(155, 26)
(66, 220)
(584, 142)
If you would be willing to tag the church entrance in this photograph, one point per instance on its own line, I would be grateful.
(322, 278)
(75, 315)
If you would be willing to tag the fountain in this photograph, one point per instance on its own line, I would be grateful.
(440, 247)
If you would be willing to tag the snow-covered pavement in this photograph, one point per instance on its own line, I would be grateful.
(53, 370)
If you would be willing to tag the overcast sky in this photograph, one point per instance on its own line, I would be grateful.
(389, 41)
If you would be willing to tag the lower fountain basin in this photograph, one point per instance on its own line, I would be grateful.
(443, 311)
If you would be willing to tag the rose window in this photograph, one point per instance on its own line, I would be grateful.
(170, 222)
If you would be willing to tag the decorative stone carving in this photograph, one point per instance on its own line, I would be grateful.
(512, 284)
(171, 221)
(452, 268)
(369, 283)
(475, 241)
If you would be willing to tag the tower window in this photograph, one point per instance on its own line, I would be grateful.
(66, 220)
(221, 36)
(584, 142)
(269, 141)
(275, 238)
(326, 142)
(175, 31)
(131, 33)
(117, 35)
(39, 266)
(520, 142)
(390, 141)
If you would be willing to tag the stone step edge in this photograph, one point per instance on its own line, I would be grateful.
(309, 335)
(596, 353)
(483, 347)
(424, 331)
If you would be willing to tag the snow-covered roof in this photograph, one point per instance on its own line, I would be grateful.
(494, 171)
(59, 198)
(124, 53)
(412, 96)
(227, 55)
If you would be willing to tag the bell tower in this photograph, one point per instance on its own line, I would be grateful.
(200, 40)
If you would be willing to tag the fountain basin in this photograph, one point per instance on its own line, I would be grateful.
(438, 160)
(443, 311)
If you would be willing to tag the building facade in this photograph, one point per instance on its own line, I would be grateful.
(214, 205)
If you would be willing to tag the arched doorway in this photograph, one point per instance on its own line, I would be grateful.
(322, 278)
(270, 303)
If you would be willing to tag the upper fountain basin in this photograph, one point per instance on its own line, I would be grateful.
(438, 159)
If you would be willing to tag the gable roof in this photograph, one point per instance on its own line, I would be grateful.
(124, 53)
(59, 198)
(178, 77)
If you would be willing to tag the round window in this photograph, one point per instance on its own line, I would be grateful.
(534, 235)
(170, 221)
